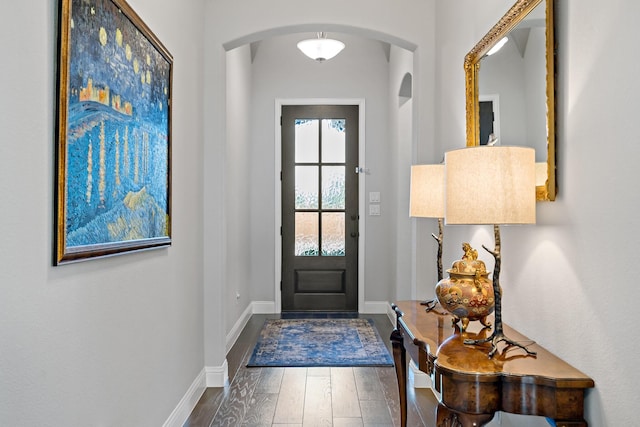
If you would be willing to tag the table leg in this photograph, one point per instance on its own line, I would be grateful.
(448, 418)
(400, 362)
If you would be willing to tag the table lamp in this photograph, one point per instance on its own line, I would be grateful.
(491, 185)
(427, 201)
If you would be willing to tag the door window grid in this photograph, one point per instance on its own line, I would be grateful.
(320, 220)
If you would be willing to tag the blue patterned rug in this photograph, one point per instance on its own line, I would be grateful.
(319, 342)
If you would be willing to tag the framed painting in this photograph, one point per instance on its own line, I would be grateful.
(113, 148)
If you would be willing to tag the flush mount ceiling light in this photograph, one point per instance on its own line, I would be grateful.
(321, 48)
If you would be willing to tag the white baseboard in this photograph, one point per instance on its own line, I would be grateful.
(181, 413)
(374, 307)
(256, 307)
(263, 307)
(217, 376)
(391, 314)
(417, 378)
(235, 332)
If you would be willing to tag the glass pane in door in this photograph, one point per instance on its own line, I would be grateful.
(333, 187)
(307, 236)
(333, 232)
(306, 141)
(333, 140)
(306, 187)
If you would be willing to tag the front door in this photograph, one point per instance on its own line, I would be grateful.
(319, 208)
(487, 118)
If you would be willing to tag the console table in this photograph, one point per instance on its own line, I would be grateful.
(474, 387)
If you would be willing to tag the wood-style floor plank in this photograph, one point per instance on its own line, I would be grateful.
(317, 402)
(368, 384)
(290, 406)
(261, 410)
(348, 422)
(375, 412)
(236, 405)
(344, 395)
(206, 409)
(270, 380)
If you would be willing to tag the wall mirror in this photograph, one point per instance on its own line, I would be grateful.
(510, 94)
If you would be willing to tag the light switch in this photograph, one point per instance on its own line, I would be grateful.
(374, 197)
(374, 210)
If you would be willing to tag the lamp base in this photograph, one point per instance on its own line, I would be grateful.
(433, 302)
(430, 305)
(497, 337)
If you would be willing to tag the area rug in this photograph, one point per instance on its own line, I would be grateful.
(319, 342)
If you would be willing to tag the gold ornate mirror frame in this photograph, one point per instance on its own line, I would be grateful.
(472, 67)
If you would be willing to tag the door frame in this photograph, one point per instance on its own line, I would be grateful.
(279, 103)
(494, 98)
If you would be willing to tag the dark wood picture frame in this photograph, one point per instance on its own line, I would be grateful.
(113, 147)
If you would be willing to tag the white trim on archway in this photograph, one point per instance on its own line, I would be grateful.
(312, 28)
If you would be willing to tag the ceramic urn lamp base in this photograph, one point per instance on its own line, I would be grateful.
(468, 292)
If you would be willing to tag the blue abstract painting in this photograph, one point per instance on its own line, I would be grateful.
(114, 132)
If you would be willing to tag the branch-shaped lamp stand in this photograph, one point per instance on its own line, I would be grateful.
(439, 240)
(498, 335)
(431, 304)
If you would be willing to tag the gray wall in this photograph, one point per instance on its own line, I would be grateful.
(112, 342)
(564, 280)
(403, 137)
(237, 182)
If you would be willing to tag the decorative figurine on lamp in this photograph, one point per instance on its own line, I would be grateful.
(503, 192)
(467, 293)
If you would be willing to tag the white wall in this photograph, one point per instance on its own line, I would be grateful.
(566, 281)
(237, 182)
(117, 341)
(403, 141)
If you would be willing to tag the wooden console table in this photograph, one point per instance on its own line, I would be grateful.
(473, 387)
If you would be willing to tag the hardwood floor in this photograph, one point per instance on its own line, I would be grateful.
(340, 397)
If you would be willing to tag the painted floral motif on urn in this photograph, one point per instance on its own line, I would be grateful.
(468, 292)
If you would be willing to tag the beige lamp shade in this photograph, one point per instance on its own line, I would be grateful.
(490, 185)
(427, 191)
